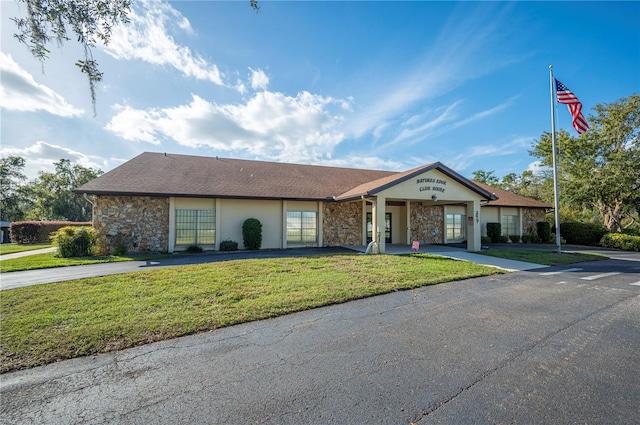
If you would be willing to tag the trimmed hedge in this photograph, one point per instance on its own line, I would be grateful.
(252, 233)
(582, 233)
(620, 241)
(493, 231)
(228, 245)
(30, 232)
(544, 231)
(74, 241)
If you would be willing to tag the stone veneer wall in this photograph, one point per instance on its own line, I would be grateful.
(427, 223)
(342, 223)
(530, 218)
(141, 222)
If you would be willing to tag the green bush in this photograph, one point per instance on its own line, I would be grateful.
(75, 241)
(530, 238)
(194, 249)
(493, 231)
(228, 245)
(120, 244)
(30, 232)
(504, 238)
(621, 241)
(252, 233)
(485, 239)
(582, 233)
(514, 238)
(544, 231)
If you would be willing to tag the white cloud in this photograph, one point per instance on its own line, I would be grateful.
(147, 37)
(41, 156)
(20, 92)
(269, 125)
(259, 80)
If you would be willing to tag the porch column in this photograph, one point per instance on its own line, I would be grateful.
(409, 241)
(379, 222)
(474, 233)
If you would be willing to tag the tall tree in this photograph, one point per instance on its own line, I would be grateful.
(52, 194)
(486, 177)
(11, 177)
(599, 169)
(90, 20)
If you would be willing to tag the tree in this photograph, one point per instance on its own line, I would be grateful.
(52, 193)
(599, 169)
(486, 177)
(11, 176)
(91, 20)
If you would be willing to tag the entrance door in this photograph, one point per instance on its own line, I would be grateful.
(387, 227)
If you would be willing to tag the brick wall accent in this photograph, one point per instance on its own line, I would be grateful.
(141, 222)
(427, 223)
(531, 216)
(342, 223)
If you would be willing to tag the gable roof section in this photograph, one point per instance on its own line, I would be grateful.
(373, 187)
(157, 174)
(510, 199)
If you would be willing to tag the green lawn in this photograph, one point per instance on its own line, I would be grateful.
(47, 323)
(50, 260)
(10, 248)
(545, 257)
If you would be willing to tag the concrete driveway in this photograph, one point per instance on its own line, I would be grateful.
(549, 346)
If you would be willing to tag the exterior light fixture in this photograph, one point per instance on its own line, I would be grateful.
(434, 198)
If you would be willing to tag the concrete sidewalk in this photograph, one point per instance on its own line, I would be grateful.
(458, 254)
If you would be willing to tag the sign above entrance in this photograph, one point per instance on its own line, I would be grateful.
(429, 184)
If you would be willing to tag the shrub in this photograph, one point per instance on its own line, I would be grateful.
(504, 239)
(514, 238)
(544, 231)
(582, 233)
(485, 239)
(75, 241)
(252, 233)
(29, 232)
(120, 244)
(530, 238)
(621, 241)
(228, 245)
(493, 231)
(194, 249)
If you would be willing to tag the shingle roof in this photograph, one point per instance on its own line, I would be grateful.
(158, 174)
(510, 199)
(185, 175)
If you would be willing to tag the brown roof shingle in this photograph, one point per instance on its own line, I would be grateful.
(185, 175)
(510, 199)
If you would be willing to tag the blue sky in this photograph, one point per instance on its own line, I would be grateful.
(380, 85)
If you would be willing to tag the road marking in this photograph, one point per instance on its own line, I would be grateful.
(582, 285)
(598, 276)
(635, 283)
(562, 282)
(560, 271)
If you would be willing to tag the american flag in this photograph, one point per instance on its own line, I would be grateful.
(567, 97)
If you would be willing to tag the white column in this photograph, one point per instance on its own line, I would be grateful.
(474, 233)
(320, 221)
(218, 228)
(409, 241)
(379, 227)
(283, 234)
(172, 225)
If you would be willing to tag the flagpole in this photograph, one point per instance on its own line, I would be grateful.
(555, 166)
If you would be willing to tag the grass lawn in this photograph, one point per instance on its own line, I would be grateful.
(49, 260)
(545, 257)
(46, 323)
(10, 248)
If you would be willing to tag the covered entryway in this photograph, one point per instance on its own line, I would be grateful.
(422, 196)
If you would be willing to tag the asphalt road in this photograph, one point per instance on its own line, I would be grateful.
(551, 346)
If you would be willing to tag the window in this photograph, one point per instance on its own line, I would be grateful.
(195, 227)
(456, 228)
(302, 228)
(509, 225)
